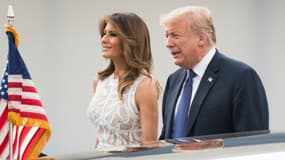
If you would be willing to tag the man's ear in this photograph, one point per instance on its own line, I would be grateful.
(203, 39)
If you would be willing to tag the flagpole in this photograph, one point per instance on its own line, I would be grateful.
(10, 18)
(10, 141)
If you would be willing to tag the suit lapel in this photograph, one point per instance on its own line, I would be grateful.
(171, 103)
(208, 80)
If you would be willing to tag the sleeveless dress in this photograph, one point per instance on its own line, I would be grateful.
(117, 121)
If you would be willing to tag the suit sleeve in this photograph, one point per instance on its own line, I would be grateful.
(250, 111)
(164, 118)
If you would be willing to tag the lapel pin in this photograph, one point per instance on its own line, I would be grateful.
(210, 79)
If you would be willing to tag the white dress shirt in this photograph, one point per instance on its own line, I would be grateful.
(199, 69)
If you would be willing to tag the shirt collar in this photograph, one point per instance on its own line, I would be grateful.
(201, 67)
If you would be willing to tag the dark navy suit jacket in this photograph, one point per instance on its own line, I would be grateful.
(230, 98)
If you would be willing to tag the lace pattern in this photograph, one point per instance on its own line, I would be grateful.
(117, 122)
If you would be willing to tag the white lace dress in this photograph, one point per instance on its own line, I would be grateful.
(117, 122)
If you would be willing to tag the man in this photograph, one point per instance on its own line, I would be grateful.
(227, 95)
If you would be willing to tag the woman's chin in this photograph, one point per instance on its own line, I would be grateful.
(105, 55)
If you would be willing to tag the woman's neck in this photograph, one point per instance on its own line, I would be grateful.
(119, 71)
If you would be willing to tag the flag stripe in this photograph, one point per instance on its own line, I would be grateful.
(14, 98)
(29, 89)
(16, 142)
(28, 108)
(15, 91)
(23, 138)
(14, 84)
(4, 130)
(5, 153)
(25, 88)
(30, 114)
(29, 146)
(32, 102)
(33, 115)
(4, 147)
(19, 98)
(31, 95)
(3, 113)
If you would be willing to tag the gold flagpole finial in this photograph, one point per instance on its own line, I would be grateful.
(9, 27)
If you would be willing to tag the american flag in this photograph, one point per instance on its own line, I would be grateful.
(21, 105)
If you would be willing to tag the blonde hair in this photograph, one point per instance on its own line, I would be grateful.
(199, 20)
(135, 44)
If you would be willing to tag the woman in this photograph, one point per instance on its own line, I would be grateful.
(124, 107)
